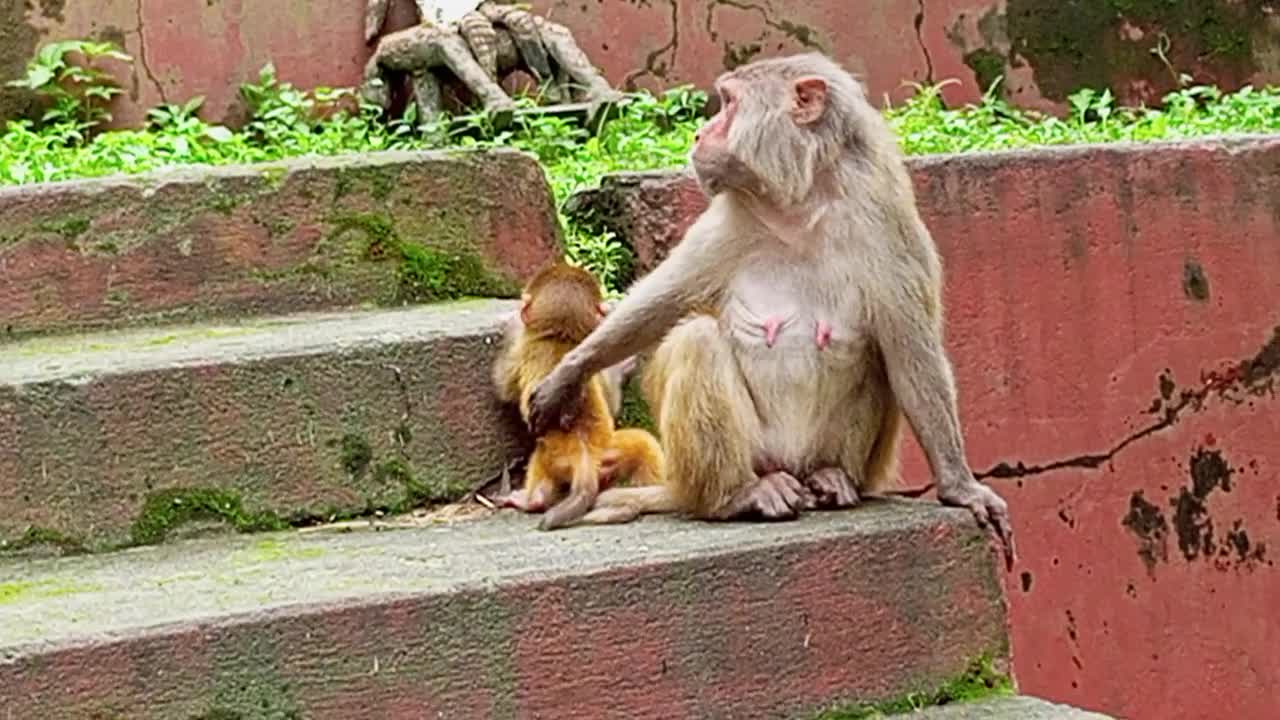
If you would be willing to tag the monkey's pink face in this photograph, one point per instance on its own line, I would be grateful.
(748, 140)
(714, 162)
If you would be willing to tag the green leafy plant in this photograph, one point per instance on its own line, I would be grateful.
(66, 73)
(650, 132)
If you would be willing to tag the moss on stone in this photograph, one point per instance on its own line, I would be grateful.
(13, 591)
(69, 228)
(165, 510)
(272, 549)
(1074, 45)
(981, 680)
(987, 66)
(355, 454)
(425, 274)
(36, 537)
(223, 202)
(274, 175)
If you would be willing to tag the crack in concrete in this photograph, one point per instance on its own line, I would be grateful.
(404, 430)
(1256, 377)
(928, 59)
(142, 55)
(800, 33)
(672, 45)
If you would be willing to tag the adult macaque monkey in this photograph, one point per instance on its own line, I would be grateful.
(826, 326)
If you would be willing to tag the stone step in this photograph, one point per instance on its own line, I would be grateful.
(117, 438)
(306, 234)
(661, 618)
(1005, 708)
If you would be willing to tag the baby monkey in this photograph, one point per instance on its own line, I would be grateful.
(560, 306)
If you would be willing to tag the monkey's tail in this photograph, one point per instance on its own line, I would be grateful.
(645, 499)
(584, 488)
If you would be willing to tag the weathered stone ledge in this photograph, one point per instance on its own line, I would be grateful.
(320, 233)
(122, 438)
(662, 618)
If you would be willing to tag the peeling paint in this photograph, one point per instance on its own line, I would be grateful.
(1193, 522)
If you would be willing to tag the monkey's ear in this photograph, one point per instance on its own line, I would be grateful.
(603, 309)
(525, 299)
(810, 99)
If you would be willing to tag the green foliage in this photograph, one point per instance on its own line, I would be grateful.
(981, 680)
(924, 125)
(78, 91)
(650, 132)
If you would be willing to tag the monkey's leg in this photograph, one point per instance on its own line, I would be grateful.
(634, 453)
(832, 488)
(523, 28)
(565, 51)
(428, 95)
(709, 429)
(457, 57)
(532, 497)
(480, 36)
(374, 88)
(584, 487)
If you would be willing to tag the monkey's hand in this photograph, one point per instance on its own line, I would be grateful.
(556, 401)
(987, 507)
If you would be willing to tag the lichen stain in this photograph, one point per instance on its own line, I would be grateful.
(1194, 282)
(1192, 522)
(1149, 526)
(1109, 43)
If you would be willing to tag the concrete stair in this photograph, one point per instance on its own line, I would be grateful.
(286, 401)
(1006, 708)
(473, 619)
(112, 439)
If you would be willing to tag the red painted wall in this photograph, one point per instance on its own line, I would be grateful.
(1113, 315)
(1047, 48)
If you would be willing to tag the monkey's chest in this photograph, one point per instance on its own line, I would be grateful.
(791, 329)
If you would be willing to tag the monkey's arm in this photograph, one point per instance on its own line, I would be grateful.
(910, 337)
(692, 275)
(505, 379)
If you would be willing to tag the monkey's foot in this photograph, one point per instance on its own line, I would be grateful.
(775, 496)
(610, 466)
(988, 508)
(523, 501)
(615, 515)
(832, 489)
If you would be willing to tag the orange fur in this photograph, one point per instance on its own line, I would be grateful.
(562, 304)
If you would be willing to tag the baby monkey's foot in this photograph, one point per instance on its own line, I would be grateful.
(524, 501)
(775, 496)
(832, 488)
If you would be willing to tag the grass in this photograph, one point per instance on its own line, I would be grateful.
(980, 681)
(653, 132)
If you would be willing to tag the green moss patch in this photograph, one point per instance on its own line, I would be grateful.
(980, 681)
(425, 274)
(168, 509)
(13, 591)
(1073, 45)
(37, 537)
(68, 228)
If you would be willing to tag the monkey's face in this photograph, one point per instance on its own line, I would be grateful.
(762, 140)
(713, 162)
